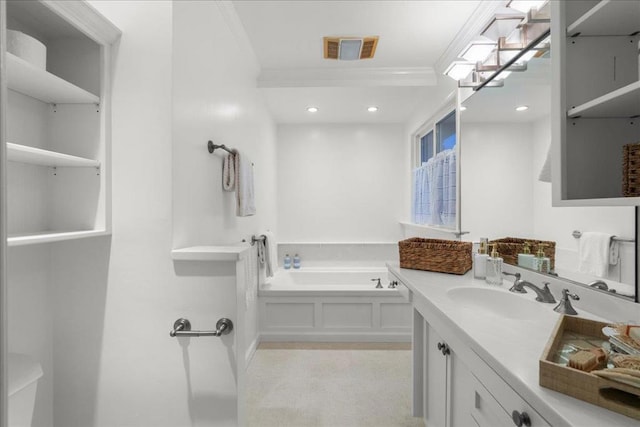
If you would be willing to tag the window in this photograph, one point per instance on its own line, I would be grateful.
(434, 192)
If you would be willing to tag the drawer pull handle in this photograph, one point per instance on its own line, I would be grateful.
(521, 419)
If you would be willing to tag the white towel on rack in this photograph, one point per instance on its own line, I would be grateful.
(229, 173)
(593, 254)
(237, 175)
(269, 251)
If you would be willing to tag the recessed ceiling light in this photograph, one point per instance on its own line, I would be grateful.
(463, 108)
(522, 108)
(312, 109)
(372, 109)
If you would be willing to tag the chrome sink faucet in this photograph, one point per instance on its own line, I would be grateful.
(542, 294)
(565, 306)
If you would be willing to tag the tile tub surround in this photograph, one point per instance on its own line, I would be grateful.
(512, 347)
(340, 254)
(331, 384)
(332, 304)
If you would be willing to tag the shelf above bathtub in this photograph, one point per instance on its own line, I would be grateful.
(210, 253)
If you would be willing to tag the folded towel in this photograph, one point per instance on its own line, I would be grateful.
(593, 254)
(229, 173)
(267, 253)
(237, 175)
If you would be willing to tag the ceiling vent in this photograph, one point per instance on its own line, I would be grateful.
(350, 48)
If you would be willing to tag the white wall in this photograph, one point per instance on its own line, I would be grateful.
(117, 298)
(495, 178)
(340, 183)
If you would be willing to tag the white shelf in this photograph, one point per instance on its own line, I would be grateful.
(40, 84)
(608, 18)
(210, 253)
(38, 156)
(624, 102)
(50, 236)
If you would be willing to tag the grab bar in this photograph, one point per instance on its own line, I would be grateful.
(182, 328)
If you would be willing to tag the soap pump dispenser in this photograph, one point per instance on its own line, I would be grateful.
(541, 262)
(480, 260)
(526, 258)
(494, 268)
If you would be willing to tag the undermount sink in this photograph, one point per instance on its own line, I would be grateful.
(497, 302)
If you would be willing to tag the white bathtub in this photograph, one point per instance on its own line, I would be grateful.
(325, 304)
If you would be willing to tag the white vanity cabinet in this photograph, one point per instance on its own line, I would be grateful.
(57, 123)
(596, 99)
(452, 385)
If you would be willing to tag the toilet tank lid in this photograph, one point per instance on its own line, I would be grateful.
(23, 371)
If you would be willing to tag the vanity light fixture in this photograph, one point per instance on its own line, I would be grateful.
(372, 109)
(522, 108)
(459, 70)
(501, 26)
(312, 109)
(478, 51)
(525, 6)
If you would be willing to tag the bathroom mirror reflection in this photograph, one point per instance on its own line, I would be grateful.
(503, 153)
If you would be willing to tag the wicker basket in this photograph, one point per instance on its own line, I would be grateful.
(510, 247)
(444, 256)
(631, 170)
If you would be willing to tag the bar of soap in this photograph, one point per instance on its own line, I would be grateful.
(583, 360)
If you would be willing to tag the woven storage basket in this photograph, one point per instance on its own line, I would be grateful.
(510, 247)
(444, 256)
(631, 170)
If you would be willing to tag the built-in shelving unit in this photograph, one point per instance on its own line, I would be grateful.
(44, 86)
(622, 102)
(58, 118)
(596, 99)
(607, 18)
(37, 156)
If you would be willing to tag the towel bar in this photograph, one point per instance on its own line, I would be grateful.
(577, 234)
(182, 328)
(212, 147)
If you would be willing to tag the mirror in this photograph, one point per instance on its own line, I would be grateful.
(502, 154)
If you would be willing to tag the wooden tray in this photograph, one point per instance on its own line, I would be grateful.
(618, 397)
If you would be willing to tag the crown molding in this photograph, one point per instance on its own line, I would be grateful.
(470, 30)
(343, 77)
(230, 16)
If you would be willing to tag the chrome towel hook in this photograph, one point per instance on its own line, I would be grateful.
(182, 328)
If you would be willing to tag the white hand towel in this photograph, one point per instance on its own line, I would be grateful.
(271, 253)
(229, 173)
(593, 255)
(237, 174)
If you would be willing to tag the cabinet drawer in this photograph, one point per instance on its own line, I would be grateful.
(487, 411)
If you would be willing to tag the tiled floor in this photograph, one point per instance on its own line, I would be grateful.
(336, 385)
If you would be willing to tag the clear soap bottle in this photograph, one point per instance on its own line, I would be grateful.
(296, 261)
(494, 268)
(480, 260)
(541, 262)
(287, 262)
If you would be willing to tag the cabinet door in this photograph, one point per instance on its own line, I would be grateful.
(436, 373)
(460, 399)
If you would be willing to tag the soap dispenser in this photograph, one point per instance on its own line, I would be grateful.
(541, 263)
(494, 268)
(480, 260)
(526, 258)
(296, 261)
(287, 262)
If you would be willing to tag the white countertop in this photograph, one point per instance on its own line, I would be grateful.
(511, 347)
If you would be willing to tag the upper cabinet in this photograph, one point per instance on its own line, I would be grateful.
(596, 99)
(58, 60)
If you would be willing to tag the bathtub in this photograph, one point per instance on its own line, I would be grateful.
(333, 305)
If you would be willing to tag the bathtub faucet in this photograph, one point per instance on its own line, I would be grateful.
(379, 285)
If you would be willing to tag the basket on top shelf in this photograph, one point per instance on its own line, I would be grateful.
(443, 256)
(510, 247)
(631, 170)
